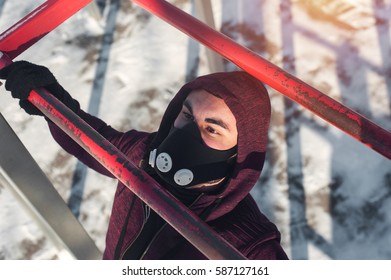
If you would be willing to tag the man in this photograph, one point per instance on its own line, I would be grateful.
(208, 152)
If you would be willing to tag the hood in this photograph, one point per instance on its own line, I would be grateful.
(248, 100)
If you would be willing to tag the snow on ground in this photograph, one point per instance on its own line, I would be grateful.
(329, 195)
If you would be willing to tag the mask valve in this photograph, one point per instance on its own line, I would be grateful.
(163, 161)
(183, 177)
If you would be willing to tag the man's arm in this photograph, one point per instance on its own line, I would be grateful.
(22, 77)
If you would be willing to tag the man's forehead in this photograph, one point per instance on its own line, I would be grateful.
(203, 98)
(199, 94)
(217, 110)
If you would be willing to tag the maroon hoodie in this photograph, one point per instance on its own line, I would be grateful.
(232, 212)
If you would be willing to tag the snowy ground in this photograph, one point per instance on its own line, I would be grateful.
(329, 195)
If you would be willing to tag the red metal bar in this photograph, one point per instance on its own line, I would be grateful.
(37, 24)
(320, 104)
(166, 205)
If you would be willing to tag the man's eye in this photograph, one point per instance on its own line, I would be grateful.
(211, 130)
(188, 116)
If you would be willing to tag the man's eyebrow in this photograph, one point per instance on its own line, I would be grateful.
(217, 122)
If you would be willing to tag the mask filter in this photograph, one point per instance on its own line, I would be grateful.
(184, 160)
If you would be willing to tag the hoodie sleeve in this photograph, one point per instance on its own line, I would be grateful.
(122, 141)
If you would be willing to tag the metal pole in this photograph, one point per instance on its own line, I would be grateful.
(37, 195)
(204, 11)
(349, 121)
(41, 21)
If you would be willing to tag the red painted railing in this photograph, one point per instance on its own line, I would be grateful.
(37, 24)
(320, 104)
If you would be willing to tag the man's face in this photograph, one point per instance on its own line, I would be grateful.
(214, 119)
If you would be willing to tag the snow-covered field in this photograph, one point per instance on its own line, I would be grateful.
(329, 194)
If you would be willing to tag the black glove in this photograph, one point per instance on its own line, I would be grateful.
(22, 77)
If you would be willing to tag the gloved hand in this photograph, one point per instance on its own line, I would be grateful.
(22, 77)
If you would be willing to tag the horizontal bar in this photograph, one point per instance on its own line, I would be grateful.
(349, 121)
(38, 23)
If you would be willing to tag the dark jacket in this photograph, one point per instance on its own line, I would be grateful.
(232, 212)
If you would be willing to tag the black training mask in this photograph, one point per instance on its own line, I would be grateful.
(184, 160)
